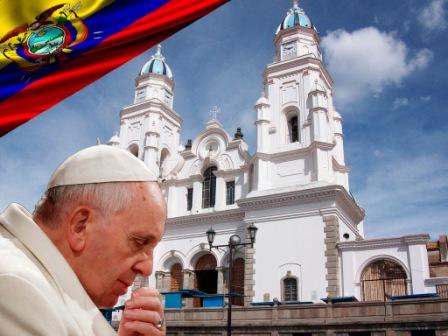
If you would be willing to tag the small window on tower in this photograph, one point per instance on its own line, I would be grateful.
(167, 97)
(230, 192)
(293, 128)
(189, 198)
(209, 188)
(290, 289)
(133, 149)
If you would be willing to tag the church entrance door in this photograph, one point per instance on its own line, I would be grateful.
(206, 276)
(207, 281)
(382, 279)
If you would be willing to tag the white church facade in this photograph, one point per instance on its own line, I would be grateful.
(294, 188)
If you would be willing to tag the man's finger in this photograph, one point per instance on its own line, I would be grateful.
(145, 302)
(144, 329)
(142, 315)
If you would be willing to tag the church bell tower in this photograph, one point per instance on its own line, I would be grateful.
(150, 128)
(299, 132)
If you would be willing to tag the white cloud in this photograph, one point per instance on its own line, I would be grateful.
(365, 61)
(420, 61)
(425, 98)
(432, 17)
(400, 102)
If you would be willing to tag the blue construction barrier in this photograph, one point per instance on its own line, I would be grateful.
(175, 300)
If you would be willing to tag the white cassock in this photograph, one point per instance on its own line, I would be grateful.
(39, 292)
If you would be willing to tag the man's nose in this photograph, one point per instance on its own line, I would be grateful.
(144, 266)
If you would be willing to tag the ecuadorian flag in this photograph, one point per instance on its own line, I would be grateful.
(49, 49)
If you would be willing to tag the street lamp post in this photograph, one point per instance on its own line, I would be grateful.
(234, 241)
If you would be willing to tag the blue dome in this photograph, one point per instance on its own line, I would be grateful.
(295, 17)
(157, 65)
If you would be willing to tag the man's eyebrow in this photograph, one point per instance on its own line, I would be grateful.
(144, 236)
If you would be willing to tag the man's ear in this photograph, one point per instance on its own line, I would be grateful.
(77, 231)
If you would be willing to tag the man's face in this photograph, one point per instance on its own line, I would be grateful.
(120, 245)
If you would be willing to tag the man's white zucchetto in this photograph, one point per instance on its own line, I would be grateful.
(100, 164)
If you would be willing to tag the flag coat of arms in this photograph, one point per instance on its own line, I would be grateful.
(50, 49)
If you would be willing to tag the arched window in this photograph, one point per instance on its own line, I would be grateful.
(381, 279)
(206, 263)
(163, 156)
(133, 149)
(176, 277)
(290, 289)
(293, 128)
(209, 188)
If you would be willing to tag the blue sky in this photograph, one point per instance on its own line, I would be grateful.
(389, 60)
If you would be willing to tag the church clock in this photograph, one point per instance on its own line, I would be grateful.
(289, 50)
(141, 94)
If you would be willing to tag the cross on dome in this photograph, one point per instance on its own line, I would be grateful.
(157, 65)
(159, 52)
(295, 17)
(214, 112)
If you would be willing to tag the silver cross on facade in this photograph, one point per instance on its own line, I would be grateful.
(214, 112)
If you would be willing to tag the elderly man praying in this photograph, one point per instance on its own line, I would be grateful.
(92, 233)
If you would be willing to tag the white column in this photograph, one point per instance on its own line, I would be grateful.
(262, 135)
(320, 121)
(320, 126)
(348, 272)
(418, 264)
(221, 289)
(197, 194)
(220, 201)
(173, 204)
(321, 164)
(339, 139)
(151, 150)
(187, 279)
(262, 123)
(263, 174)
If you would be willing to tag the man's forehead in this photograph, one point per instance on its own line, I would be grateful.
(148, 229)
(147, 214)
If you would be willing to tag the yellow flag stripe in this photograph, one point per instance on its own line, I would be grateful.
(14, 13)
